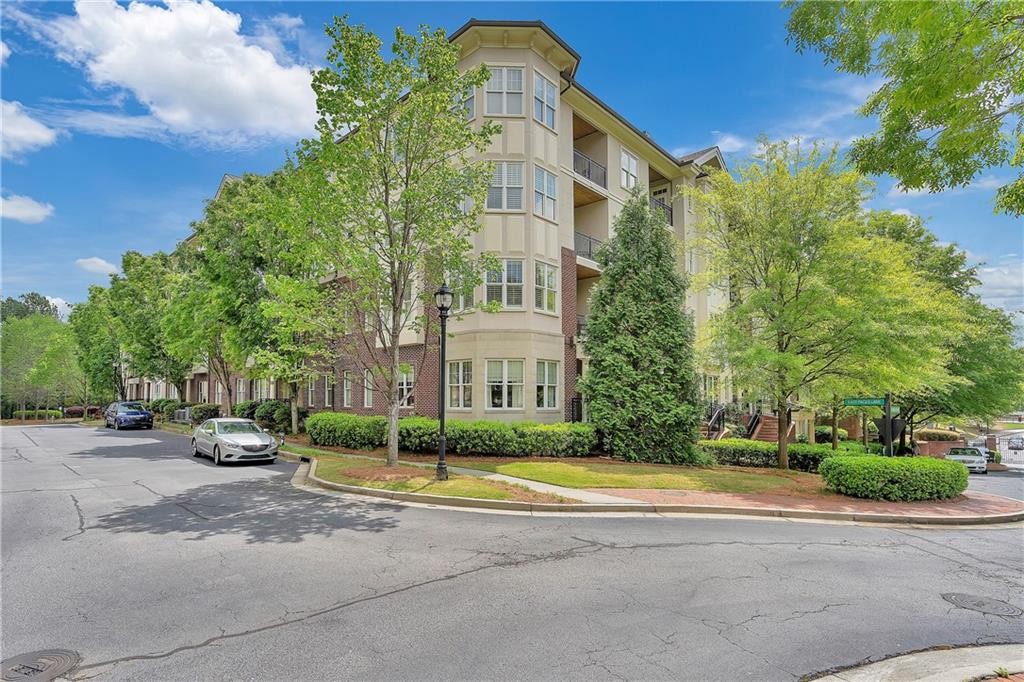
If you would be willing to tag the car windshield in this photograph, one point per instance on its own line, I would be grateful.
(964, 452)
(130, 407)
(238, 427)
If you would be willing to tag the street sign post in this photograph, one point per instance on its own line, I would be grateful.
(888, 428)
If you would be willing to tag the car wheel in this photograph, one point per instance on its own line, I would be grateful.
(195, 449)
(216, 455)
(116, 427)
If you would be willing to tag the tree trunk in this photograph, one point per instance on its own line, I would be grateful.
(180, 388)
(864, 430)
(294, 386)
(835, 427)
(783, 434)
(393, 408)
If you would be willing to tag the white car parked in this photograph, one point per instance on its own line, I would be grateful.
(970, 458)
(233, 440)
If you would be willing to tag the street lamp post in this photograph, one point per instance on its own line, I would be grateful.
(443, 298)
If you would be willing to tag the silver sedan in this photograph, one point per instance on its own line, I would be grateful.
(970, 458)
(233, 440)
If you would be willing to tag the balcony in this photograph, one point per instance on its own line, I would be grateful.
(586, 167)
(587, 246)
(659, 205)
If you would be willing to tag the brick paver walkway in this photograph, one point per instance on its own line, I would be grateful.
(969, 504)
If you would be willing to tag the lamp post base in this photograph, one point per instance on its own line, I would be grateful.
(442, 472)
(442, 463)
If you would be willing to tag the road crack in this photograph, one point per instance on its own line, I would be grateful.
(81, 520)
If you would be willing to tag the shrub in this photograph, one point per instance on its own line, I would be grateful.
(347, 430)
(936, 434)
(204, 411)
(37, 414)
(897, 479)
(998, 458)
(276, 415)
(246, 409)
(823, 434)
(157, 406)
(755, 453)
(564, 439)
(875, 448)
(168, 408)
(74, 411)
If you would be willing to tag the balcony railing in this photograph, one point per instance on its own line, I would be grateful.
(589, 169)
(587, 246)
(659, 205)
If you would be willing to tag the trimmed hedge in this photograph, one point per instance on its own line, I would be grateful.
(936, 434)
(80, 410)
(896, 479)
(823, 434)
(276, 415)
(347, 430)
(419, 434)
(37, 414)
(756, 453)
(204, 411)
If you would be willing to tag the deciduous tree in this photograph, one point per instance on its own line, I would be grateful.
(951, 101)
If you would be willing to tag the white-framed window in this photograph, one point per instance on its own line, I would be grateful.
(504, 91)
(505, 384)
(506, 190)
(545, 192)
(469, 102)
(310, 387)
(545, 287)
(460, 384)
(630, 170)
(405, 389)
(328, 390)
(505, 286)
(367, 388)
(204, 391)
(462, 297)
(346, 389)
(547, 384)
(545, 100)
(239, 390)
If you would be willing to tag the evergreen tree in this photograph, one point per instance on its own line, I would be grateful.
(640, 384)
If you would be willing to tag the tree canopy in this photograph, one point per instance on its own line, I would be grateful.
(951, 101)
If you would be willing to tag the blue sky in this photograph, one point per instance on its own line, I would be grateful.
(120, 121)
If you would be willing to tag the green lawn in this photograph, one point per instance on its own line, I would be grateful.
(1008, 425)
(371, 474)
(602, 474)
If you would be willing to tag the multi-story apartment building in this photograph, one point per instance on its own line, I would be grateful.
(564, 164)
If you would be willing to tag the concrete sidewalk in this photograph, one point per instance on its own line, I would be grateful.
(946, 665)
(588, 496)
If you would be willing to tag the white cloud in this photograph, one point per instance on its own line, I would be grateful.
(24, 209)
(5, 52)
(728, 143)
(1002, 285)
(96, 265)
(21, 133)
(63, 307)
(903, 211)
(188, 64)
(985, 183)
(898, 191)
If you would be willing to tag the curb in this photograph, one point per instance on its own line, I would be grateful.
(644, 507)
(937, 664)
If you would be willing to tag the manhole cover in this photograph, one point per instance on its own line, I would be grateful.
(982, 604)
(39, 666)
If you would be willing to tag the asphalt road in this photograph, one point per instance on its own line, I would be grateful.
(157, 566)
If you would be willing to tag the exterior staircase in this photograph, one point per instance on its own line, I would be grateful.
(768, 429)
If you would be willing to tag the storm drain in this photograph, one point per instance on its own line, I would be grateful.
(39, 666)
(992, 607)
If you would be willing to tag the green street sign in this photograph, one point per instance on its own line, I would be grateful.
(863, 402)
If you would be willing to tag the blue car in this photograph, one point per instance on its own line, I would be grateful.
(130, 415)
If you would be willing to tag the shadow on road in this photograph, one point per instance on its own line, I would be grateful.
(263, 510)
